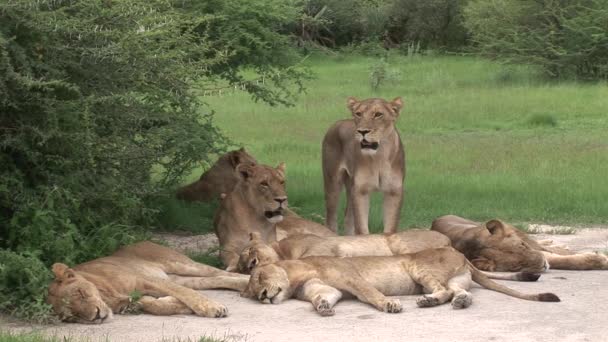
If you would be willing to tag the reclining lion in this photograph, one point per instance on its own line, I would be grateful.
(498, 246)
(259, 253)
(257, 204)
(443, 273)
(91, 292)
(220, 178)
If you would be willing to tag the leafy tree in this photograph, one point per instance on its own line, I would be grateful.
(100, 110)
(567, 38)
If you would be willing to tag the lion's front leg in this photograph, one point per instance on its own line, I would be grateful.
(220, 282)
(393, 200)
(198, 303)
(583, 261)
(163, 306)
(322, 296)
(360, 201)
(367, 293)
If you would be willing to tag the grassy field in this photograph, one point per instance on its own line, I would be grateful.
(482, 140)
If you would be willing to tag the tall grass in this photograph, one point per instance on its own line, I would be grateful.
(482, 140)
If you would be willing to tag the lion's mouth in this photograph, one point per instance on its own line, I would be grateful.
(273, 213)
(366, 145)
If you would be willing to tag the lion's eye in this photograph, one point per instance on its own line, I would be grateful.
(282, 182)
(358, 114)
(264, 184)
(378, 115)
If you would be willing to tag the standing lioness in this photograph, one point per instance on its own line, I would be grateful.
(365, 154)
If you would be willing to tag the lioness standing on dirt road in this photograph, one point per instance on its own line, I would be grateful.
(364, 154)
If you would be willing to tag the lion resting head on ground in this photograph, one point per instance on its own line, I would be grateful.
(443, 273)
(220, 178)
(498, 246)
(91, 292)
(491, 246)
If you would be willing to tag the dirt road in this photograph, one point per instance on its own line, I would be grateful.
(581, 316)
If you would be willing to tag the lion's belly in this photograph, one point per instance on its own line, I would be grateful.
(391, 280)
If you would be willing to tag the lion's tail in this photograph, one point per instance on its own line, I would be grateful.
(519, 276)
(482, 279)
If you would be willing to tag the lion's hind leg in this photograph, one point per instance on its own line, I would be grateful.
(163, 306)
(459, 284)
(439, 294)
(322, 296)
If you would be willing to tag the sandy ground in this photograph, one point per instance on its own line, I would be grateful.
(581, 316)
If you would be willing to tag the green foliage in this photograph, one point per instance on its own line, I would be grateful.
(100, 113)
(543, 120)
(381, 73)
(567, 38)
(210, 257)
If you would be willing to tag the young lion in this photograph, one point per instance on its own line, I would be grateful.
(498, 246)
(364, 154)
(91, 292)
(257, 204)
(443, 273)
(220, 178)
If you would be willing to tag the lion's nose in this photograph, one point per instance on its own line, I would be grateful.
(281, 199)
(363, 132)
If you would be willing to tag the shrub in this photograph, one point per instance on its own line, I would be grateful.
(98, 96)
(566, 38)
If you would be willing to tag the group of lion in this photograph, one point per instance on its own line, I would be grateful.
(291, 257)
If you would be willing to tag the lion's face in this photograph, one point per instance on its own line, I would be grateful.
(264, 189)
(374, 120)
(269, 284)
(256, 253)
(75, 299)
(504, 251)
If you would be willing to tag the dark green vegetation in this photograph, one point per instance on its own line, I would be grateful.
(95, 97)
(105, 106)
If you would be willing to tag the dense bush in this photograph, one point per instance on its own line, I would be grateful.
(567, 38)
(100, 112)
(432, 23)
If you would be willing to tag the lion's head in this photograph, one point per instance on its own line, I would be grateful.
(75, 299)
(269, 284)
(374, 120)
(256, 253)
(263, 187)
(500, 248)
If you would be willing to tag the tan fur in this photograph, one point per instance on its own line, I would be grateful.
(256, 204)
(300, 246)
(498, 246)
(220, 178)
(92, 291)
(347, 161)
(443, 273)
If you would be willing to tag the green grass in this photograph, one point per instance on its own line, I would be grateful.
(482, 140)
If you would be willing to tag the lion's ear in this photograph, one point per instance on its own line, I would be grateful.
(484, 264)
(245, 171)
(495, 227)
(62, 271)
(235, 158)
(255, 236)
(281, 168)
(351, 102)
(397, 104)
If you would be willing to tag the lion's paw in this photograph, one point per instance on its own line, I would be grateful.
(210, 310)
(427, 301)
(324, 308)
(462, 300)
(392, 306)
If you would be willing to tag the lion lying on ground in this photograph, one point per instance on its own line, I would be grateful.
(220, 178)
(259, 253)
(91, 292)
(257, 204)
(498, 246)
(443, 273)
